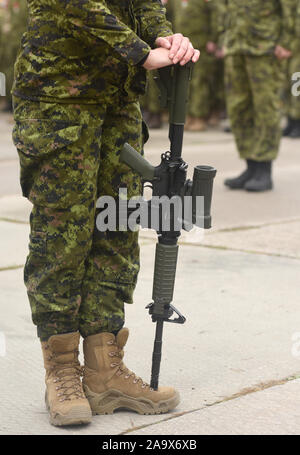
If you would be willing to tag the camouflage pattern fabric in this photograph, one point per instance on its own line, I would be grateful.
(77, 278)
(293, 102)
(150, 100)
(86, 51)
(174, 13)
(256, 27)
(253, 75)
(253, 102)
(207, 87)
(199, 22)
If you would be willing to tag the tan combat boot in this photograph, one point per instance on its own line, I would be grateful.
(64, 397)
(109, 385)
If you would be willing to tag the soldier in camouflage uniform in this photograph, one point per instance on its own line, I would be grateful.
(257, 38)
(292, 129)
(78, 77)
(207, 87)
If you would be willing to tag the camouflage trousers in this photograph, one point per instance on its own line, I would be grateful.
(207, 87)
(252, 87)
(77, 277)
(294, 101)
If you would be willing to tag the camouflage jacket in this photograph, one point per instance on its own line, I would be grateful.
(255, 27)
(297, 27)
(87, 50)
(199, 22)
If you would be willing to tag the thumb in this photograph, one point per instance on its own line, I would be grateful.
(163, 42)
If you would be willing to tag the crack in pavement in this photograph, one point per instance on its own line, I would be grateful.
(11, 267)
(243, 392)
(241, 250)
(12, 220)
(257, 226)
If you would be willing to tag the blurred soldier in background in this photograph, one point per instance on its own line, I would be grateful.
(293, 105)
(151, 108)
(257, 37)
(207, 90)
(13, 22)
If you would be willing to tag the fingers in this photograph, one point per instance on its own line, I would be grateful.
(191, 54)
(182, 50)
(163, 42)
(196, 56)
(176, 43)
(188, 55)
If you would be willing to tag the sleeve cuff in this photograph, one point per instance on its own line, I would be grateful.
(141, 62)
(134, 50)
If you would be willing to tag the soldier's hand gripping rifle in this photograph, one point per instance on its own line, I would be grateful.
(169, 179)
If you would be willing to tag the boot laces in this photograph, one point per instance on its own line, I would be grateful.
(67, 376)
(123, 369)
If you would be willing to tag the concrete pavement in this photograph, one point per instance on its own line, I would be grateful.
(236, 361)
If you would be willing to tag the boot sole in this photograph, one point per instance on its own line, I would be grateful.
(77, 416)
(107, 402)
(261, 190)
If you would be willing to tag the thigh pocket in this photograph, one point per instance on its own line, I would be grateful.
(47, 158)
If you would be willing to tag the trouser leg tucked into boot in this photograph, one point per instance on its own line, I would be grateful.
(240, 181)
(64, 397)
(262, 179)
(109, 385)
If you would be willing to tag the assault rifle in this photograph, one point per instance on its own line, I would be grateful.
(169, 179)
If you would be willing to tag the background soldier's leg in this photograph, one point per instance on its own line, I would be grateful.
(218, 91)
(294, 107)
(113, 263)
(239, 103)
(59, 160)
(265, 80)
(200, 91)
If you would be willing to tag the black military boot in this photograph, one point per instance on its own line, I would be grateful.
(262, 179)
(295, 133)
(239, 182)
(289, 127)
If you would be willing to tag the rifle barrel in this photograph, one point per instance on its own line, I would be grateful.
(156, 356)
